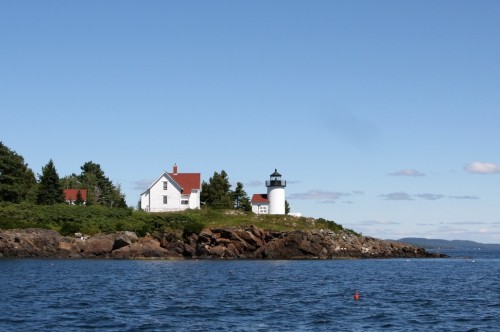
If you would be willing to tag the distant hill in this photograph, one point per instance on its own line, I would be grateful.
(446, 244)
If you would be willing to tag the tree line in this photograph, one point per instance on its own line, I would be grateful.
(217, 194)
(18, 183)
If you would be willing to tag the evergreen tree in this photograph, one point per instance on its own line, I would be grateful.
(287, 207)
(79, 199)
(245, 204)
(100, 190)
(72, 181)
(240, 198)
(118, 198)
(216, 193)
(49, 188)
(17, 181)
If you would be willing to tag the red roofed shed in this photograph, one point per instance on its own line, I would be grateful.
(260, 198)
(71, 195)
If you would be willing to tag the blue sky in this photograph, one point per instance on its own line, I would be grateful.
(381, 115)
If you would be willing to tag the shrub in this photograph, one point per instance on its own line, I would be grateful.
(331, 225)
(192, 227)
(70, 228)
(90, 220)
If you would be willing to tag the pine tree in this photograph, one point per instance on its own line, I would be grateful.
(79, 199)
(100, 189)
(72, 181)
(49, 188)
(216, 193)
(245, 204)
(17, 181)
(287, 207)
(240, 198)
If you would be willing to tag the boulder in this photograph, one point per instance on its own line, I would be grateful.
(176, 247)
(98, 245)
(189, 251)
(217, 251)
(248, 237)
(123, 239)
(219, 243)
(31, 242)
(147, 247)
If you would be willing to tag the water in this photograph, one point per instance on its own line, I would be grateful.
(457, 294)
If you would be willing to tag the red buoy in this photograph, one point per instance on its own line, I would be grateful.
(356, 296)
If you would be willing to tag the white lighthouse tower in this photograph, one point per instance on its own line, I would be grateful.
(276, 193)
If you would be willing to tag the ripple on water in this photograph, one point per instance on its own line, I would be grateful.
(416, 295)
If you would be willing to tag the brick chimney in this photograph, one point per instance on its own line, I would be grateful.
(175, 169)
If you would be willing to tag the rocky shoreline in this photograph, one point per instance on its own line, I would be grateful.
(220, 243)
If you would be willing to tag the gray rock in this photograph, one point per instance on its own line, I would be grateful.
(220, 243)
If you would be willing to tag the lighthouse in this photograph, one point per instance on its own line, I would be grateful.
(276, 193)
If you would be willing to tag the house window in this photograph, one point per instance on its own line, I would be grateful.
(165, 200)
(263, 209)
(184, 201)
(165, 185)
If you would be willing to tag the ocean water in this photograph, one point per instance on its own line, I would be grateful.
(457, 294)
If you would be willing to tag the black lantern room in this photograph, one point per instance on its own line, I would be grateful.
(275, 180)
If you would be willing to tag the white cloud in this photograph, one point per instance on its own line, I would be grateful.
(329, 201)
(430, 197)
(378, 222)
(483, 232)
(399, 196)
(322, 195)
(467, 223)
(142, 184)
(478, 167)
(406, 172)
(255, 183)
(402, 196)
(464, 197)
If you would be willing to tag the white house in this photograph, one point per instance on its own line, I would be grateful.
(274, 201)
(173, 192)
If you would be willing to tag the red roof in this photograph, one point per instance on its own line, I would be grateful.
(188, 181)
(260, 198)
(72, 194)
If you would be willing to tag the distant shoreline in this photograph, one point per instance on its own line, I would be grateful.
(448, 244)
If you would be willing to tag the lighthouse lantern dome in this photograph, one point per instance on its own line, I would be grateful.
(275, 180)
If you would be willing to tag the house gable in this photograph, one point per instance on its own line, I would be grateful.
(184, 182)
(187, 181)
(176, 185)
(173, 192)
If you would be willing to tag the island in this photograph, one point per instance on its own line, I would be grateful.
(236, 242)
